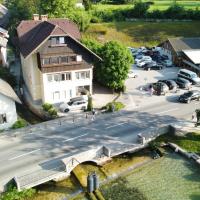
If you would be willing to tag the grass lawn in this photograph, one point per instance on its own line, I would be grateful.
(141, 33)
(160, 5)
(189, 142)
(169, 178)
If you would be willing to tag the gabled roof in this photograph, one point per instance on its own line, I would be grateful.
(193, 55)
(7, 90)
(32, 33)
(180, 44)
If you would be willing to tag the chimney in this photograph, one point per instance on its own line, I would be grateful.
(35, 17)
(44, 17)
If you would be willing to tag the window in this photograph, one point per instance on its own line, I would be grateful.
(78, 58)
(50, 78)
(64, 59)
(72, 58)
(56, 41)
(3, 118)
(68, 76)
(54, 60)
(57, 77)
(63, 77)
(53, 41)
(56, 95)
(46, 61)
(83, 75)
(61, 40)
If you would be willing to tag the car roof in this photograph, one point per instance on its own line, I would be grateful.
(77, 99)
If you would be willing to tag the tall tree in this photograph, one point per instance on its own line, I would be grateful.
(114, 69)
(57, 8)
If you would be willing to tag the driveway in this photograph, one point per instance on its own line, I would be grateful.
(135, 96)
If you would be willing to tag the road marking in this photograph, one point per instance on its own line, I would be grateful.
(166, 111)
(116, 125)
(75, 137)
(25, 154)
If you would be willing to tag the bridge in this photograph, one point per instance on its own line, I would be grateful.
(51, 150)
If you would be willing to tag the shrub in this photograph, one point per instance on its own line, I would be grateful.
(119, 190)
(140, 9)
(20, 123)
(114, 105)
(47, 106)
(13, 194)
(52, 112)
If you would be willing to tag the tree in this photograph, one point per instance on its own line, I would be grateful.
(87, 4)
(113, 71)
(57, 8)
(140, 9)
(21, 10)
(7, 76)
(93, 45)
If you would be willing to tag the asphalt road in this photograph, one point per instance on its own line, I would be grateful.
(38, 150)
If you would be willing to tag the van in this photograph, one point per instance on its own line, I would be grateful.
(189, 75)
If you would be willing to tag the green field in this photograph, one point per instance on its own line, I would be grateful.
(171, 177)
(141, 33)
(160, 5)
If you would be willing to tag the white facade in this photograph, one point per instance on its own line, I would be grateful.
(61, 86)
(8, 115)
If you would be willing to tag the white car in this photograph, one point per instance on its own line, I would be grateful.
(144, 58)
(132, 74)
(142, 63)
(74, 104)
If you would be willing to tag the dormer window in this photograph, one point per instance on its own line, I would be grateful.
(58, 41)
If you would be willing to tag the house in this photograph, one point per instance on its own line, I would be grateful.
(56, 66)
(8, 115)
(184, 52)
(3, 46)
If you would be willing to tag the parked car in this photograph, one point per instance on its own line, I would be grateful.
(78, 103)
(144, 58)
(189, 75)
(167, 63)
(151, 66)
(183, 83)
(170, 83)
(189, 96)
(142, 63)
(160, 88)
(132, 74)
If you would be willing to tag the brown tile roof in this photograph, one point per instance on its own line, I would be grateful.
(180, 44)
(32, 33)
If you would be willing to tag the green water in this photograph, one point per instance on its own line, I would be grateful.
(169, 178)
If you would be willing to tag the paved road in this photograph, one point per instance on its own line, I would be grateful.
(37, 150)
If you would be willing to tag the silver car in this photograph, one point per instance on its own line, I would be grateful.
(74, 104)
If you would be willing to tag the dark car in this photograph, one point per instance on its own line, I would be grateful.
(150, 66)
(160, 88)
(170, 83)
(183, 83)
(189, 96)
